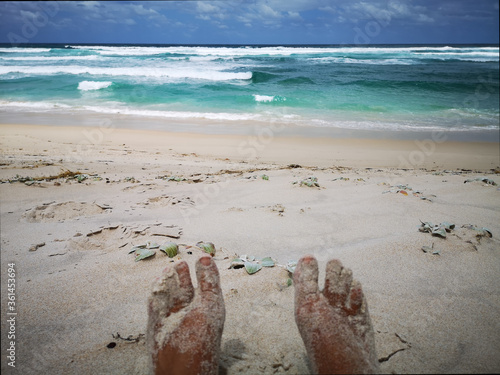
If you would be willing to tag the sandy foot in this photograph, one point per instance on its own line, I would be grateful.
(334, 324)
(185, 325)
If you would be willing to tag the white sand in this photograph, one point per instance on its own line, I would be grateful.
(431, 313)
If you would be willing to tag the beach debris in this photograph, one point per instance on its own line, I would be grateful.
(279, 208)
(430, 249)
(341, 179)
(252, 267)
(143, 253)
(35, 247)
(481, 232)
(309, 181)
(265, 177)
(166, 231)
(291, 265)
(251, 263)
(81, 177)
(170, 248)
(129, 338)
(68, 175)
(207, 247)
(406, 190)
(482, 179)
(131, 179)
(174, 178)
(439, 230)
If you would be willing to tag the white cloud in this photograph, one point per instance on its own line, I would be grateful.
(141, 11)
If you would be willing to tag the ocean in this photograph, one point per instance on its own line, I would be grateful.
(415, 88)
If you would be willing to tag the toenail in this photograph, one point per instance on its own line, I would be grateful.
(205, 261)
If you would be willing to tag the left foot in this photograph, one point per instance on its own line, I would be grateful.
(185, 325)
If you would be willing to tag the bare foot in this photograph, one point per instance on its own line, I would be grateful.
(185, 325)
(334, 324)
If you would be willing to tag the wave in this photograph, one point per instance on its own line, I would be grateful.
(409, 124)
(269, 98)
(128, 111)
(348, 60)
(50, 58)
(211, 75)
(24, 50)
(270, 51)
(93, 85)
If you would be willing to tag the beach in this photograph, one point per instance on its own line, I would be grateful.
(75, 200)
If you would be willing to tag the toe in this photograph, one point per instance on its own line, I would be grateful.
(338, 282)
(305, 278)
(208, 278)
(356, 299)
(173, 290)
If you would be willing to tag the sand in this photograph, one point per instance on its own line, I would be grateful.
(78, 289)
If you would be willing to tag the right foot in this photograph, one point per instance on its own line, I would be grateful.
(185, 325)
(334, 324)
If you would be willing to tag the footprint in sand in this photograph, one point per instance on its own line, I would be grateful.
(49, 212)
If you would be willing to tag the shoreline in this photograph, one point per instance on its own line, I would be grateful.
(268, 145)
(240, 127)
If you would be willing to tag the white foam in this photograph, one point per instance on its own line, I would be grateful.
(119, 109)
(256, 51)
(50, 58)
(93, 85)
(173, 114)
(177, 73)
(268, 98)
(36, 106)
(24, 50)
(348, 60)
(263, 98)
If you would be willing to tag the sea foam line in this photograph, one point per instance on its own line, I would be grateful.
(211, 75)
(271, 51)
(93, 85)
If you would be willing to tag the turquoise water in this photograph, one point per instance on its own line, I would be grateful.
(375, 87)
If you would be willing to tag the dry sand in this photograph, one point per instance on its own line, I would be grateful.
(81, 289)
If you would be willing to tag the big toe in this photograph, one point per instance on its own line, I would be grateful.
(305, 278)
(173, 290)
(208, 278)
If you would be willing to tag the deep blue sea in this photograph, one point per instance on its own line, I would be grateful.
(350, 87)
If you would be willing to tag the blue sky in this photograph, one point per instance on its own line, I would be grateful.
(251, 22)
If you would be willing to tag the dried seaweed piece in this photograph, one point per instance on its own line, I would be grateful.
(252, 267)
(439, 230)
(310, 182)
(430, 249)
(291, 265)
(207, 247)
(170, 248)
(482, 179)
(141, 254)
(267, 262)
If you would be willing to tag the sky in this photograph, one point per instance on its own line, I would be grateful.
(251, 22)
